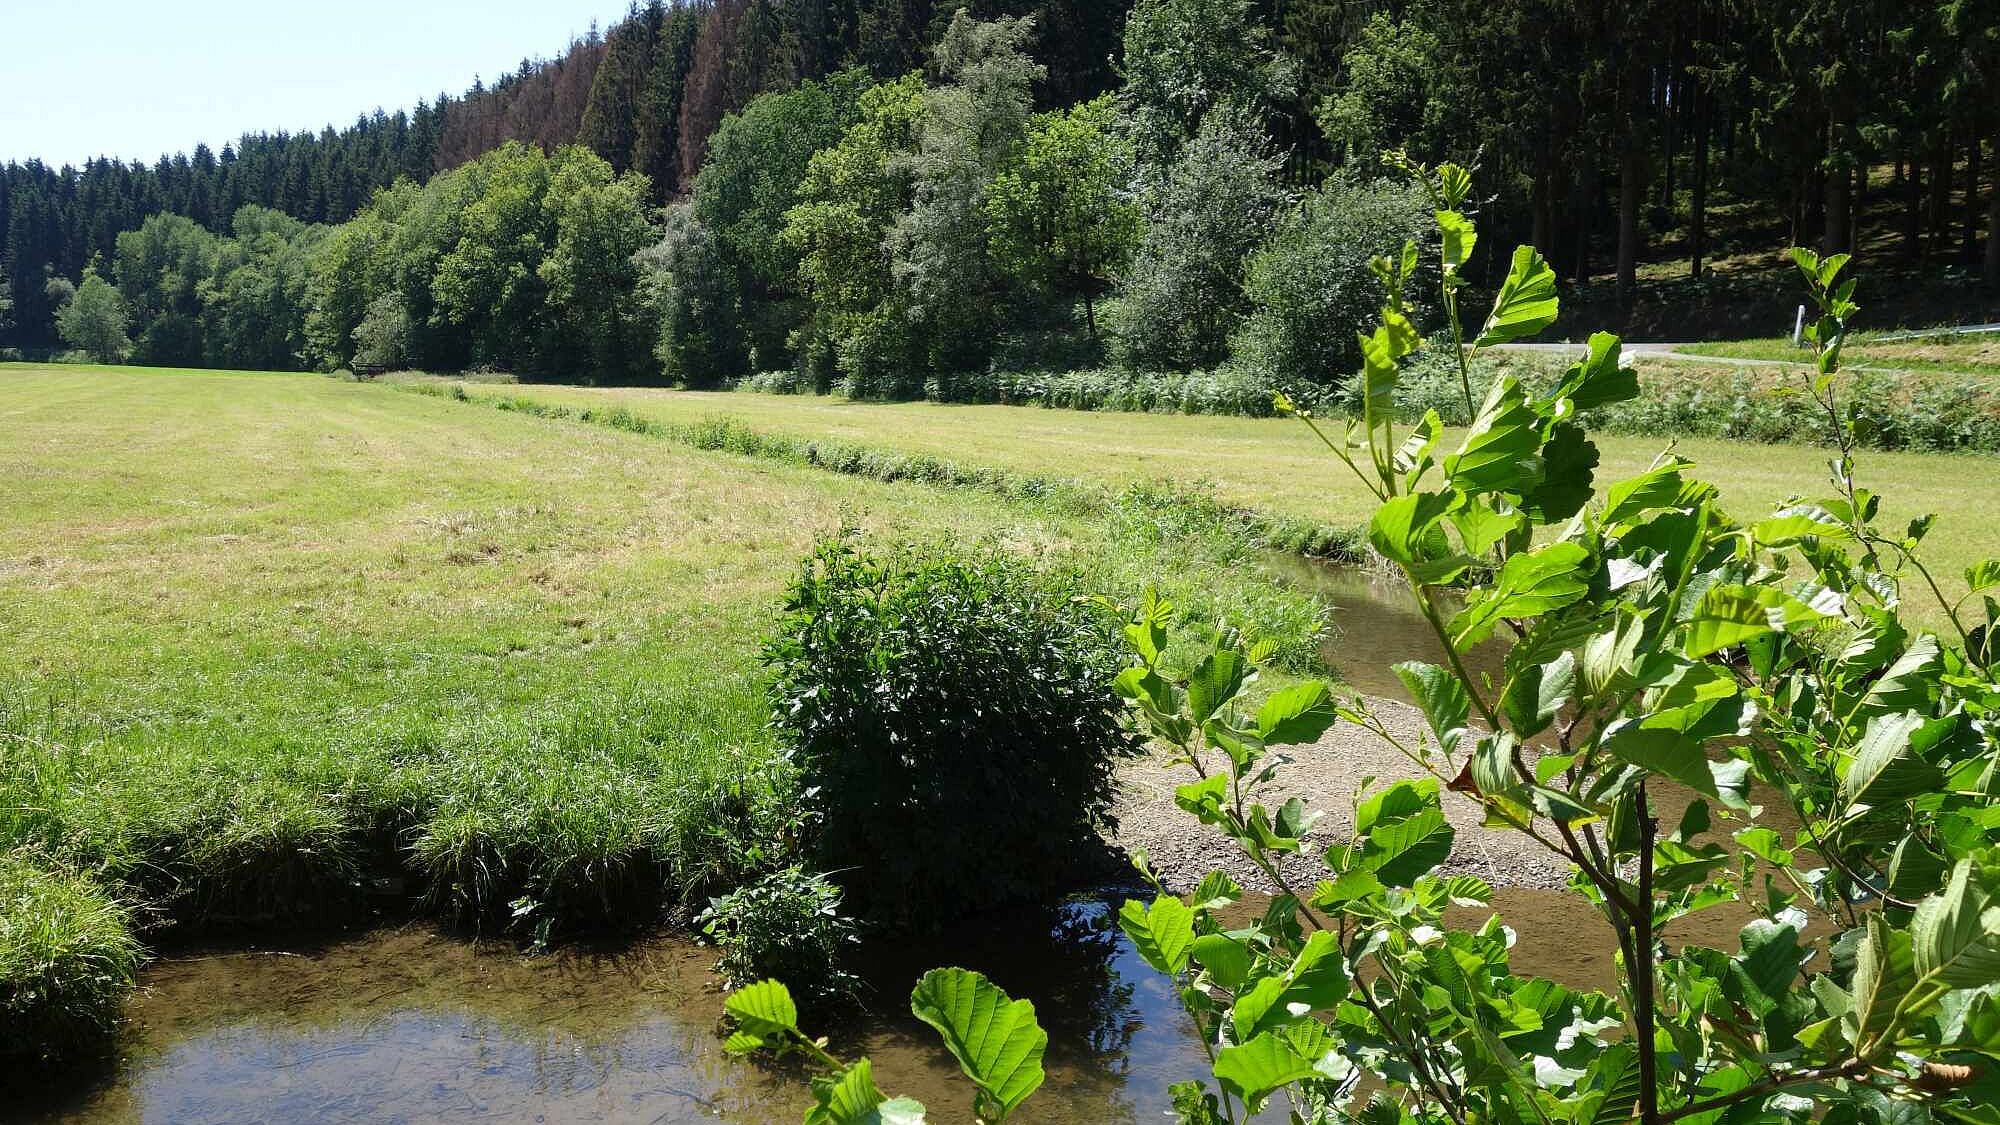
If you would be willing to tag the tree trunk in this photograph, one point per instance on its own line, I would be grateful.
(1583, 206)
(1542, 219)
(1993, 221)
(1698, 197)
(1839, 200)
(1673, 88)
(1970, 246)
(1631, 196)
(1913, 207)
(1812, 207)
(1941, 180)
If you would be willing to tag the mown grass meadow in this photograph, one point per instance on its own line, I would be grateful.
(1277, 465)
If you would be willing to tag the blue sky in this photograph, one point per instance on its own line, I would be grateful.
(83, 78)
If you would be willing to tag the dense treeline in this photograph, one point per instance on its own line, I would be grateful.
(668, 71)
(899, 196)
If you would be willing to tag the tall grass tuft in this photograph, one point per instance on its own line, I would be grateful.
(67, 959)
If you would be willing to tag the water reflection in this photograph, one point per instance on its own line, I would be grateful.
(1376, 624)
(409, 1026)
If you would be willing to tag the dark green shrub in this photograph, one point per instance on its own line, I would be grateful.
(67, 959)
(786, 926)
(951, 721)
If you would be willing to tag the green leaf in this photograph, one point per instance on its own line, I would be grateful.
(1887, 766)
(763, 1009)
(900, 1111)
(1664, 750)
(1501, 452)
(852, 1098)
(1318, 975)
(1215, 682)
(1914, 869)
(1493, 765)
(1458, 237)
(1569, 468)
(1790, 526)
(1215, 891)
(1163, 933)
(1534, 696)
(1600, 379)
(1659, 487)
(1729, 615)
(1296, 715)
(1439, 695)
(1527, 302)
(1955, 935)
(1260, 1007)
(1765, 844)
(1205, 798)
(1910, 684)
(1351, 885)
(1402, 851)
(1148, 631)
(1140, 683)
(1395, 802)
(1226, 959)
(1612, 1087)
(995, 1038)
(1769, 964)
(1481, 524)
(1884, 973)
(1529, 585)
(1253, 1070)
(1379, 376)
(1405, 529)
(1983, 575)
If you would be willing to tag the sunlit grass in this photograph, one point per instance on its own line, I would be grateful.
(1278, 465)
(279, 647)
(67, 957)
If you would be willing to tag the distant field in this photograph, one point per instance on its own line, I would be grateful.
(260, 632)
(1277, 464)
(1962, 355)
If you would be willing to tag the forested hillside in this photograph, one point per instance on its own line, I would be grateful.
(852, 195)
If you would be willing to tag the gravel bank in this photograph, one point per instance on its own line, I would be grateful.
(1325, 775)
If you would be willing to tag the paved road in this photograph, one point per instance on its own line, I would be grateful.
(1653, 349)
(1670, 351)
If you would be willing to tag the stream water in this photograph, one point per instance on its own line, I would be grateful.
(406, 1026)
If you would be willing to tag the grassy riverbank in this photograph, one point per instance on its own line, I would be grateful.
(283, 649)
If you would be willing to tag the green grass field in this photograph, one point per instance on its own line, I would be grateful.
(280, 648)
(1277, 465)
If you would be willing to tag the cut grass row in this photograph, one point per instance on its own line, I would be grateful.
(279, 648)
(1277, 466)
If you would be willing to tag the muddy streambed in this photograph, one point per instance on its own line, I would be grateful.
(407, 1025)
